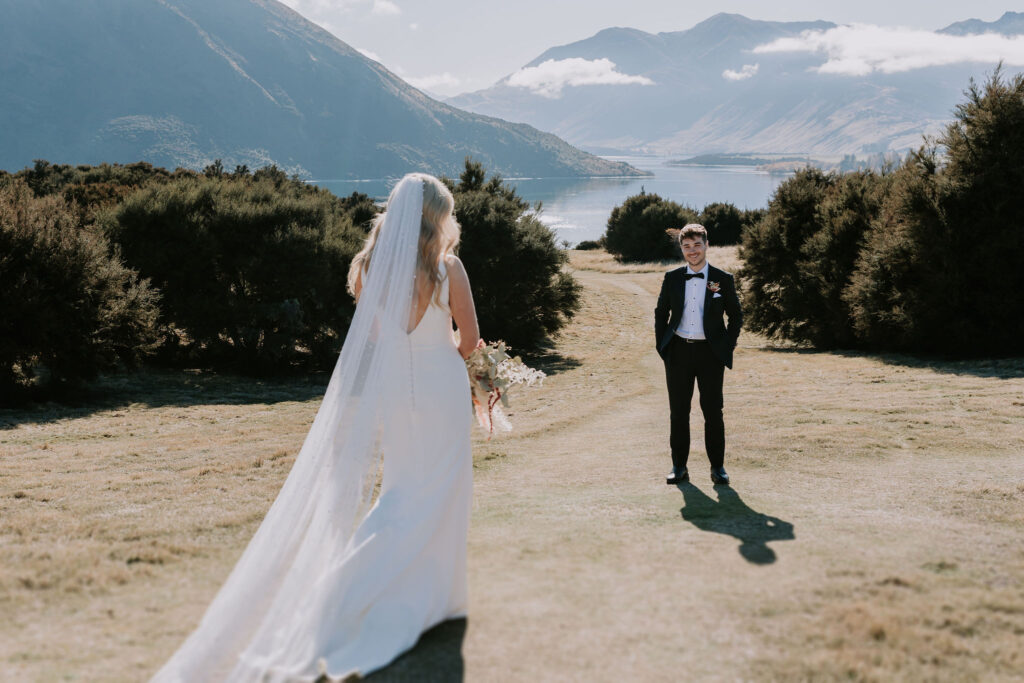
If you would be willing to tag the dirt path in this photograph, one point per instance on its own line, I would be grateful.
(874, 529)
(845, 547)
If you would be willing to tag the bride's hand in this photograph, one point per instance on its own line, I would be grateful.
(480, 343)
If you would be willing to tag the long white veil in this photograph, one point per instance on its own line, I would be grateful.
(265, 616)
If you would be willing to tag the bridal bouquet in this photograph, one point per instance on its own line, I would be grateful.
(492, 372)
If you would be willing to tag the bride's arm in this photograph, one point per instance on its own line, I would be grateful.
(460, 300)
(357, 286)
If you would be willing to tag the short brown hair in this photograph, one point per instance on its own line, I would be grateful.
(692, 231)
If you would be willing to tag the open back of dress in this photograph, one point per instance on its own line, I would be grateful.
(407, 568)
(325, 586)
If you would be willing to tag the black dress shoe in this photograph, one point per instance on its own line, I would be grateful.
(677, 476)
(718, 476)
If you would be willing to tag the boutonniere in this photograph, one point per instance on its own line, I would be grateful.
(714, 287)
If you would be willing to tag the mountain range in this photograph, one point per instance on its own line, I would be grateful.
(183, 82)
(704, 90)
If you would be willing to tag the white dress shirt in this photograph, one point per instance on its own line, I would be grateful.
(692, 324)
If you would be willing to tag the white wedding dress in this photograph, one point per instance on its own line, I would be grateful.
(330, 584)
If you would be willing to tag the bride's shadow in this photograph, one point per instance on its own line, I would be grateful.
(730, 515)
(436, 658)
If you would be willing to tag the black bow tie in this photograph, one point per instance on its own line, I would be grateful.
(687, 276)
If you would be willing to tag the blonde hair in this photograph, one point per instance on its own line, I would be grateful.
(439, 235)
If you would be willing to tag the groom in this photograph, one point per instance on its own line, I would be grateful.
(696, 344)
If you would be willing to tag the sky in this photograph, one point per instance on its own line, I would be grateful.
(449, 47)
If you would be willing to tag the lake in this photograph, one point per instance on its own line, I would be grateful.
(578, 208)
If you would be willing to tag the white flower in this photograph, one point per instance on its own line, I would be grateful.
(492, 372)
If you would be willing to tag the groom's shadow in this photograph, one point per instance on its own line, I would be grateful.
(436, 658)
(730, 515)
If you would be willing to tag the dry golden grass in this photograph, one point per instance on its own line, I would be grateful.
(873, 531)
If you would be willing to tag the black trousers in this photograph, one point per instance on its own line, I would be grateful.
(684, 363)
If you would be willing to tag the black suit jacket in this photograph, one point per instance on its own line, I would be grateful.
(669, 312)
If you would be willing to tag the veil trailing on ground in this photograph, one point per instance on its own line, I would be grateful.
(267, 619)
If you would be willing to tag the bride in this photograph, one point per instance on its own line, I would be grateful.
(341, 578)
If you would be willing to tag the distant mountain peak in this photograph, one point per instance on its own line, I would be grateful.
(709, 92)
(619, 30)
(725, 19)
(728, 21)
(1010, 24)
(249, 82)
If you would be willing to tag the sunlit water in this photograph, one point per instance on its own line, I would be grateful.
(577, 208)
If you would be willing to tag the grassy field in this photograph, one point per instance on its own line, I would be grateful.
(874, 531)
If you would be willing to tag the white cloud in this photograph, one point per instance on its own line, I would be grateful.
(550, 77)
(434, 81)
(859, 49)
(385, 7)
(744, 73)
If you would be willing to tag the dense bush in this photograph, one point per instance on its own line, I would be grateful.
(829, 256)
(252, 268)
(69, 309)
(983, 204)
(89, 199)
(752, 217)
(944, 272)
(924, 258)
(249, 268)
(800, 259)
(522, 295)
(636, 229)
(898, 296)
(724, 223)
(45, 178)
(360, 209)
(779, 299)
(590, 245)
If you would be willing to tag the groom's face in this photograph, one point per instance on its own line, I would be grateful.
(694, 251)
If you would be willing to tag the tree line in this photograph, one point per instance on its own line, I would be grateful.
(920, 257)
(107, 267)
(636, 229)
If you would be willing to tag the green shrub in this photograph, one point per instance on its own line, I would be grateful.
(942, 272)
(983, 203)
(590, 245)
(69, 309)
(45, 178)
(252, 269)
(899, 296)
(724, 223)
(360, 209)
(88, 199)
(252, 266)
(922, 259)
(800, 258)
(521, 293)
(751, 217)
(828, 258)
(945, 272)
(636, 229)
(779, 298)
